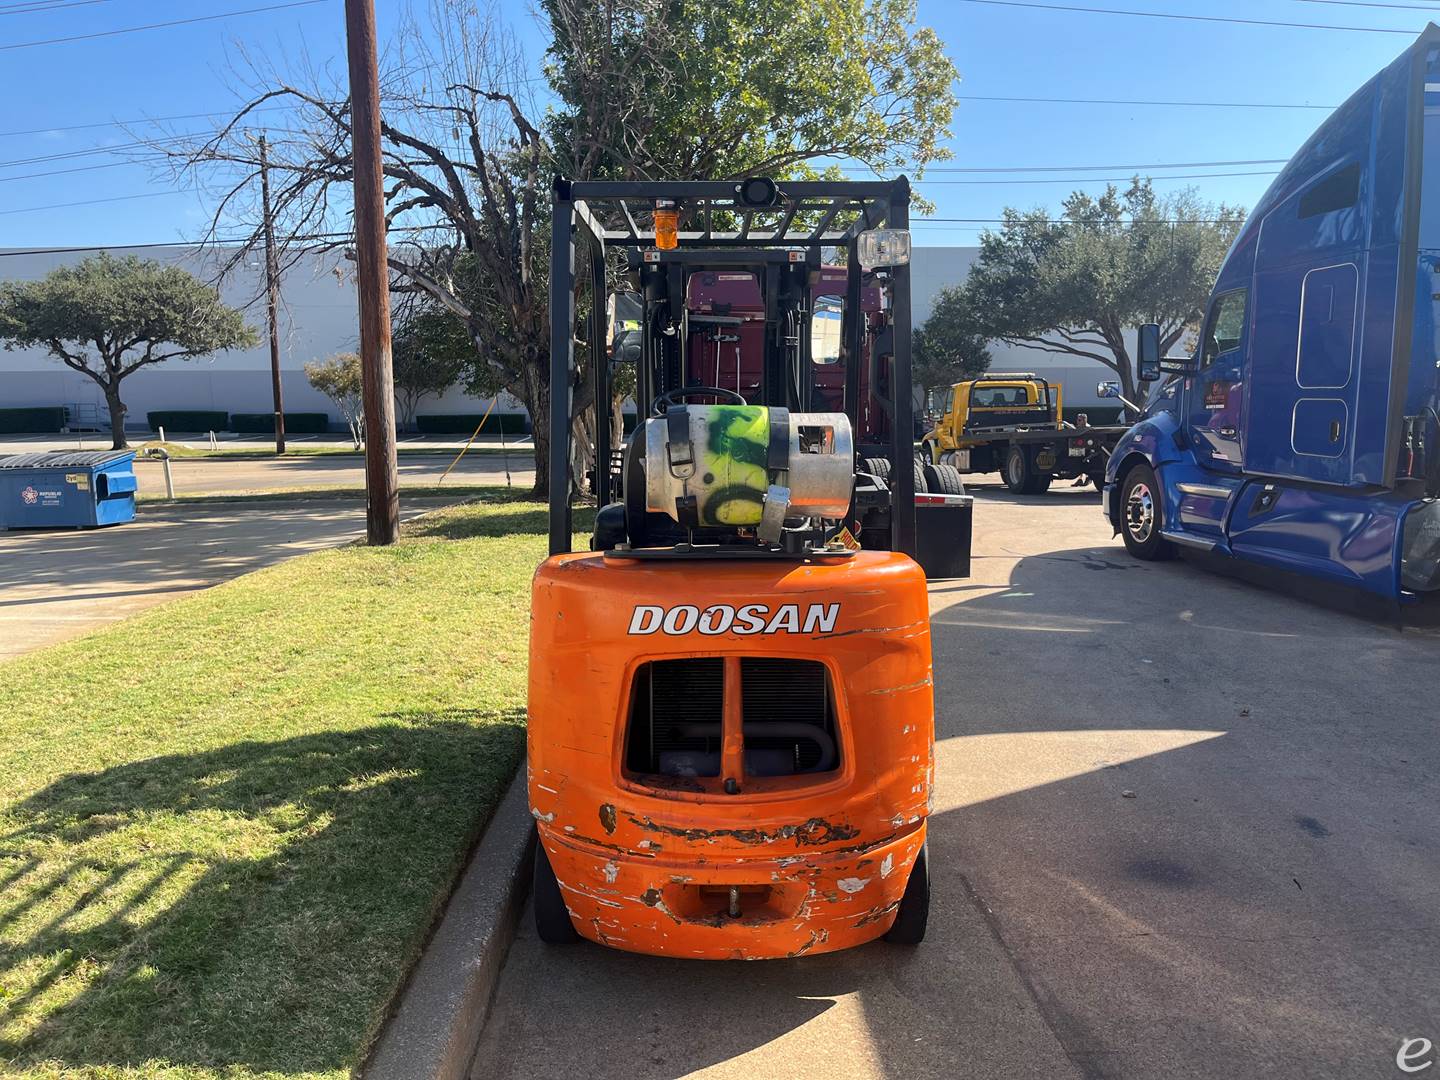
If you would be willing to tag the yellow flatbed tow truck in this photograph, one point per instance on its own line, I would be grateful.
(1012, 423)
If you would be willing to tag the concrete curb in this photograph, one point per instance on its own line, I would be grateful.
(437, 1025)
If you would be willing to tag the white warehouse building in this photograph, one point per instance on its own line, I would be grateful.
(318, 318)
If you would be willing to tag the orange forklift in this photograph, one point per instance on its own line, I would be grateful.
(730, 749)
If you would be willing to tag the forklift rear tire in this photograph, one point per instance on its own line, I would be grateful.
(914, 910)
(552, 920)
(1142, 516)
(1021, 476)
(944, 480)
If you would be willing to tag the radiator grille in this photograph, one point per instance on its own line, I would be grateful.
(668, 694)
(677, 707)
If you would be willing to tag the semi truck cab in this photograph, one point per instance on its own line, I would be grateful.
(1302, 436)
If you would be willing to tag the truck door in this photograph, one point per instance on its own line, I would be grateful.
(1335, 285)
(1216, 392)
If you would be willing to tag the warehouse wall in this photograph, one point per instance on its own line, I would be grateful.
(318, 318)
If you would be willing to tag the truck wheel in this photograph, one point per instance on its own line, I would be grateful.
(1021, 476)
(552, 921)
(921, 487)
(914, 910)
(877, 466)
(944, 480)
(1141, 516)
(1017, 470)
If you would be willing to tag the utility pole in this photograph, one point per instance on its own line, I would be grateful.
(272, 287)
(381, 479)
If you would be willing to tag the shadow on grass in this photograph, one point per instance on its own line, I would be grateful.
(254, 906)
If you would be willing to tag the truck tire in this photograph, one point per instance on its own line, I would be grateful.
(921, 487)
(914, 910)
(877, 466)
(552, 920)
(1142, 516)
(944, 480)
(1020, 473)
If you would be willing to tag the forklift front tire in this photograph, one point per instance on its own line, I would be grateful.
(878, 466)
(552, 920)
(914, 910)
(944, 480)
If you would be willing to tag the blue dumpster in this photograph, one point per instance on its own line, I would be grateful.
(67, 489)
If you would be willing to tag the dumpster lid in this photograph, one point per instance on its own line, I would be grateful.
(64, 459)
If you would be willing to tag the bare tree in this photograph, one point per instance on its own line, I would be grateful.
(641, 97)
(466, 204)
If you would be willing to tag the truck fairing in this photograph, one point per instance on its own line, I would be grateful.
(1306, 433)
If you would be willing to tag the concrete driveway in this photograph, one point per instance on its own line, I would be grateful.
(58, 584)
(1184, 828)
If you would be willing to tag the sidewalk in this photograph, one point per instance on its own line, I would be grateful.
(30, 444)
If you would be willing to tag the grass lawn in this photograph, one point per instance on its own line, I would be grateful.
(227, 824)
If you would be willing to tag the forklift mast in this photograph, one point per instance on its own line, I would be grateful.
(771, 239)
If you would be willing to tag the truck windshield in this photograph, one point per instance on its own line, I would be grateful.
(1002, 397)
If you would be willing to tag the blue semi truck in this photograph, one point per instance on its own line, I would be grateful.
(1302, 438)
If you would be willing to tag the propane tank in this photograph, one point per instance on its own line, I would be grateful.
(733, 466)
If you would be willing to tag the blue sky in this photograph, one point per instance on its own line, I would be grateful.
(1000, 51)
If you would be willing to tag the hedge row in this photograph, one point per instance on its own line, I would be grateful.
(187, 420)
(33, 421)
(296, 423)
(466, 423)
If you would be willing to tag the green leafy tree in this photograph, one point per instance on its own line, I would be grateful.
(699, 89)
(107, 318)
(341, 379)
(429, 352)
(1075, 285)
(949, 347)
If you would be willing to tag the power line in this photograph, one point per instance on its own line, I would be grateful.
(40, 8)
(1103, 179)
(1371, 4)
(1066, 221)
(1109, 168)
(159, 25)
(1119, 101)
(141, 120)
(77, 169)
(89, 202)
(1186, 18)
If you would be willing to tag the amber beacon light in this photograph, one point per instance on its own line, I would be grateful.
(667, 225)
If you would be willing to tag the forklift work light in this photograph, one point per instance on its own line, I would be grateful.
(667, 225)
(884, 247)
(756, 191)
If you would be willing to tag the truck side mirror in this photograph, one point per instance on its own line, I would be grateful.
(1148, 366)
(1107, 390)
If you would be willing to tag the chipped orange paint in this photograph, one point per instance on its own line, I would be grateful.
(821, 861)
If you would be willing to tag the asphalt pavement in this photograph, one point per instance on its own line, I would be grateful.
(1184, 827)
